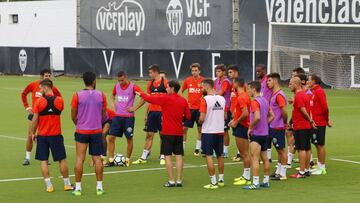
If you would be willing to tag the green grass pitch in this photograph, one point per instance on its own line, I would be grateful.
(144, 183)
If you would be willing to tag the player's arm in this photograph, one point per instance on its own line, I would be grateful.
(270, 115)
(202, 110)
(307, 117)
(140, 103)
(184, 87)
(225, 85)
(74, 108)
(244, 114)
(34, 126)
(255, 106)
(113, 97)
(24, 100)
(281, 101)
(104, 105)
(56, 92)
(159, 100)
(324, 106)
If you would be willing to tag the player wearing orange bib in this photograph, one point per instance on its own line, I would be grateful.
(34, 89)
(193, 85)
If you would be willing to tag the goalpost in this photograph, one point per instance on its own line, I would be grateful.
(331, 51)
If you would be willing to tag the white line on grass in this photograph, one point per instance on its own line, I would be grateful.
(344, 160)
(24, 139)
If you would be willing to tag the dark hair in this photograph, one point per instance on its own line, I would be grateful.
(240, 82)
(44, 71)
(89, 78)
(155, 68)
(163, 72)
(316, 79)
(275, 76)
(299, 70)
(262, 66)
(175, 84)
(121, 74)
(233, 67)
(47, 83)
(209, 82)
(302, 77)
(220, 67)
(255, 84)
(195, 65)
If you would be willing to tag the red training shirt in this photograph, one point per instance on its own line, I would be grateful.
(48, 125)
(174, 108)
(154, 107)
(34, 88)
(319, 107)
(301, 100)
(194, 91)
(243, 100)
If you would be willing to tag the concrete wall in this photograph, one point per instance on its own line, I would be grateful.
(40, 24)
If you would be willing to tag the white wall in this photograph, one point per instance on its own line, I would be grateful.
(41, 24)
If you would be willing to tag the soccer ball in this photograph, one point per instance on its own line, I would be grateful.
(119, 160)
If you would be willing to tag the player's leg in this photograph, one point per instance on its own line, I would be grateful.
(96, 149)
(266, 165)
(243, 147)
(178, 151)
(300, 143)
(226, 135)
(291, 149)
(219, 143)
(242, 144)
(185, 131)
(207, 148)
(166, 149)
(105, 133)
(29, 143)
(319, 142)
(82, 142)
(111, 149)
(268, 149)
(129, 134)
(42, 154)
(198, 140)
(57, 147)
(255, 150)
(150, 132)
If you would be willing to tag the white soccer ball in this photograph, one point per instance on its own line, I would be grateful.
(119, 160)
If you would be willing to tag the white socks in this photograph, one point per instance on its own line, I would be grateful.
(283, 170)
(145, 154)
(221, 177)
(78, 186)
(256, 180)
(48, 182)
(162, 156)
(198, 144)
(266, 179)
(246, 173)
(27, 155)
(184, 144)
(290, 158)
(226, 149)
(268, 153)
(213, 179)
(99, 185)
(67, 182)
(278, 168)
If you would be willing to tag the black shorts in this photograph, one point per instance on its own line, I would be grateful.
(30, 117)
(240, 131)
(122, 125)
(261, 140)
(318, 137)
(211, 143)
(171, 144)
(277, 138)
(53, 143)
(95, 141)
(195, 115)
(227, 120)
(302, 139)
(153, 123)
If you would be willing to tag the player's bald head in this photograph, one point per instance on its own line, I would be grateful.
(294, 84)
